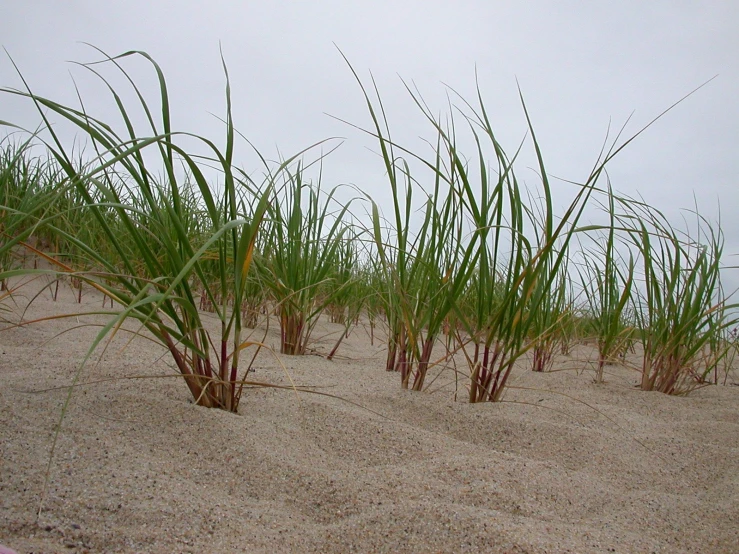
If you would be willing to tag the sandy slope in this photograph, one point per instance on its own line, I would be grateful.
(139, 468)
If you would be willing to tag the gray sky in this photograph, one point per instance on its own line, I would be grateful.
(578, 63)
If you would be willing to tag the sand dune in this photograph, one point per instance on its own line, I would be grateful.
(569, 466)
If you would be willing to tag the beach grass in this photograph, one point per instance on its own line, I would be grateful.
(170, 231)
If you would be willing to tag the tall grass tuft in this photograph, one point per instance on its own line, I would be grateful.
(305, 240)
(608, 282)
(425, 267)
(682, 310)
(30, 188)
(156, 227)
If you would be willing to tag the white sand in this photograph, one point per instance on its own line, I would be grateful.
(139, 468)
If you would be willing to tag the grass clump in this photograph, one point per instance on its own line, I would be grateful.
(160, 239)
(304, 243)
(682, 313)
(608, 284)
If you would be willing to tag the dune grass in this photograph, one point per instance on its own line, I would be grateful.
(682, 311)
(486, 255)
(305, 241)
(160, 241)
(164, 224)
(608, 283)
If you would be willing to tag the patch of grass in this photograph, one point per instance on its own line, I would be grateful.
(164, 224)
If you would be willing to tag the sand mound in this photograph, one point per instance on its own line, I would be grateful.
(139, 468)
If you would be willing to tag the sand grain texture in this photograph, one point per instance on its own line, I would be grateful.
(139, 468)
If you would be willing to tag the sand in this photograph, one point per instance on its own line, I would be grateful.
(564, 466)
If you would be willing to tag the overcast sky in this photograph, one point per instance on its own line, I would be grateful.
(579, 64)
